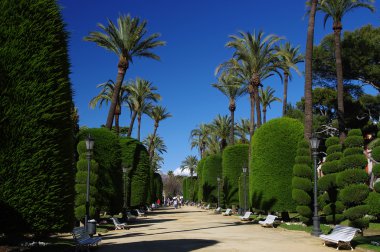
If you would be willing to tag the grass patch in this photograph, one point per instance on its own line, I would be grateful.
(365, 242)
(298, 227)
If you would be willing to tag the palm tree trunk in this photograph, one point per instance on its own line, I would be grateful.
(264, 114)
(117, 124)
(131, 124)
(308, 71)
(284, 101)
(151, 149)
(138, 126)
(122, 67)
(252, 119)
(232, 108)
(339, 76)
(257, 100)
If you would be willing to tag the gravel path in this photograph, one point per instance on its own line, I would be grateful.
(193, 229)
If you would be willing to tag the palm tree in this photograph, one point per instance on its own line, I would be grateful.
(231, 86)
(157, 113)
(127, 40)
(198, 138)
(190, 163)
(308, 70)
(141, 93)
(289, 57)
(220, 127)
(242, 130)
(158, 147)
(105, 96)
(336, 9)
(258, 60)
(266, 98)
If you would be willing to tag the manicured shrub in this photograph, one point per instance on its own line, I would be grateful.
(107, 154)
(334, 148)
(136, 159)
(359, 223)
(353, 162)
(301, 197)
(354, 132)
(303, 160)
(333, 207)
(302, 170)
(373, 202)
(354, 141)
(274, 150)
(351, 176)
(212, 169)
(233, 159)
(305, 212)
(303, 152)
(377, 187)
(353, 151)
(334, 156)
(331, 166)
(337, 218)
(37, 166)
(376, 153)
(200, 178)
(327, 182)
(353, 194)
(376, 170)
(302, 184)
(332, 141)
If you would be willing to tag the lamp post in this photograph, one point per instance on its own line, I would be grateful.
(218, 179)
(89, 147)
(314, 144)
(124, 191)
(245, 170)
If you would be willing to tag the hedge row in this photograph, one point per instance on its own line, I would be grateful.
(212, 169)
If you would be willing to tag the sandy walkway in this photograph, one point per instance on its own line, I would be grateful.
(193, 229)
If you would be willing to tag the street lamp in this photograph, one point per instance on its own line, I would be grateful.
(245, 170)
(89, 147)
(314, 144)
(218, 179)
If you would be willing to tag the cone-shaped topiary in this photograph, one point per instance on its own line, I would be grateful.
(185, 189)
(234, 158)
(302, 182)
(157, 187)
(212, 169)
(37, 167)
(200, 179)
(274, 149)
(330, 168)
(351, 180)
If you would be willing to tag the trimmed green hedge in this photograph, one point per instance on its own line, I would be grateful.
(353, 162)
(334, 148)
(212, 169)
(332, 141)
(135, 158)
(376, 170)
(185, 190)
(37, 166)
(302, 170)
(332, 166)
(354, 194)
(334, 156)
(200, 178)
(274, 150)
(353, 151)
(376, 153)
(351, 176)
(373, 202)
(234, 157)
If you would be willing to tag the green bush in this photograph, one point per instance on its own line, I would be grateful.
(301, 197)
(332, 166)
(377, 187)
(302, 184)
(185, 189)
(274, 150)
(361, 223)
(373, 203)
(353, 194)
(353, 161)
(303, 152)
(212, 169)
(332, 141)
(351, 176)
(233, 159)
(304, 211)
(354, 132)
(327, 182)
(353, 151)
(354, 141)
(303, 160)
(335, 219)
(37, 166)
(302, 170)
(135, 158)
(356, 212)
(323, 200)
(334, 156)
(334, 148)
(336, 207)
(200, 178)
(376, 154)
(376, 170)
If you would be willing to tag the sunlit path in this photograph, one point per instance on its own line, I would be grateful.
(193, 229)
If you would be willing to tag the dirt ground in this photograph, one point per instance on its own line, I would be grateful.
(193, 229)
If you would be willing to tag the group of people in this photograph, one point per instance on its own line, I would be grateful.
(176, 202)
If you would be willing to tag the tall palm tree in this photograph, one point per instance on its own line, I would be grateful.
(158, 147)
(141, 94)
(157, 113)
(190, 163)
(289, 58)
(105, 96)
(258, 60)
(231, 86)
(144, 108)
(127, 40)
(220, 127)
(308, 69)
(266, 98)
(198, 138)
(242, 130)
(336, 9)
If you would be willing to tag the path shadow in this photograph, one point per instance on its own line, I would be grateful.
(148, 221)
(179, 245)
(172, 212)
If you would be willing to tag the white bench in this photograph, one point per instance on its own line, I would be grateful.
(218, 210)
(269, 221)
(246, 216)
(341, 235)
(83, 239)
(228, 212)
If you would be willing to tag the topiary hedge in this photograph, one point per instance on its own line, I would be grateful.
(212, 169)
(157, 187)
(354, 191)
(373, 202)
(37, 166)
(234, 158)
(135, 158)
(185, 189)
(199, 178)
(274, 149)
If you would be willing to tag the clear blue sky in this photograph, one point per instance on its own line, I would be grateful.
(196, 32)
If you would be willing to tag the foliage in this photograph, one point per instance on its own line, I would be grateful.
(274, 150)
(376, 170)
(373, 202)
(211, 170)
(200, 178)
(36, 126)
(234, 158)
(353, 194)
(334, 148)
(135, 158)
(353, 151)
(332, 141)
(331, 166)
(334, 156)
(327, 182)
(302, 170)
(157, 187)
(351, 176)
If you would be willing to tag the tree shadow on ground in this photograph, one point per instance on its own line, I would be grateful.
(179, 245)
(172, 212)
(148, 221)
